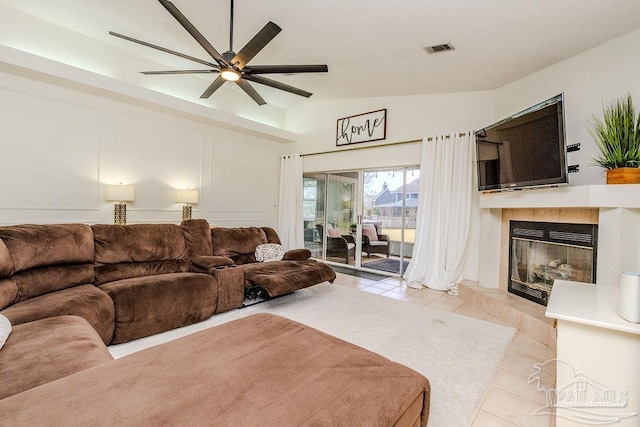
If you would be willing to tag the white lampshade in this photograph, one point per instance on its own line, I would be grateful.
(187, 196)
(121, 193)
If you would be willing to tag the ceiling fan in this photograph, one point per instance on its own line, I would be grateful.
(232, 66)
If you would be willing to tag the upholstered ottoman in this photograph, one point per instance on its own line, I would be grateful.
(262, 370)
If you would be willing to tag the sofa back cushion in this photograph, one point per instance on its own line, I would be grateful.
(123, 252)
(32, 246)
(8, 293)
(8, 288)
(6, 265)
(239, 244)
(272, 236)
(43, 259)
(197, 237)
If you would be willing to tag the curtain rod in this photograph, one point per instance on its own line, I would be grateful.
(411, 141)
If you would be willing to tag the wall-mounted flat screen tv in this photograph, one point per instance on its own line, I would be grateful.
(527, 149)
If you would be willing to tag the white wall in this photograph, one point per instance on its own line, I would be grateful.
(598, 75)
(408, 118)
(60, 147)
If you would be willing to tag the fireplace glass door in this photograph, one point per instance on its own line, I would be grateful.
(544, 252)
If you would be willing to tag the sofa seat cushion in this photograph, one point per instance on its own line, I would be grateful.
(152, 304)
(283, 277)
(260, 370)
(85, 301)
(45, 350)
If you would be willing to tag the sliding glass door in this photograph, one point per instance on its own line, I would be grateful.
(389, 218)
(330, 216)
(314, 189)
(342, 197)
(364, 219)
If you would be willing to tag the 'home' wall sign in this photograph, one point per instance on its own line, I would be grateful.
(362, 128)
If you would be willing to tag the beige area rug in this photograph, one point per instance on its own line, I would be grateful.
(458, 354)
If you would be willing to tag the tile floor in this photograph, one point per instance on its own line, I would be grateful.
(510, 401)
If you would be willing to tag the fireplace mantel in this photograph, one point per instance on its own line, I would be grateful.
(570, 196)
(618, 225)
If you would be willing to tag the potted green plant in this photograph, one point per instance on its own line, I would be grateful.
(617, 135)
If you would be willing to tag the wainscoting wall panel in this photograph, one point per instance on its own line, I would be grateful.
(159, 157)
(61, 147)
(244, 182)
(49, 148)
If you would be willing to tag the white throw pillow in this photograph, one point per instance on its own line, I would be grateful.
(369, 230)
(269, 252)
(5, 329)
(333, 232)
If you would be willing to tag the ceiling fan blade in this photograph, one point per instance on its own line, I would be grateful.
(191, 29)
(213, 87)
(285, 69)
(268, 82)
(256, 44)
(162, 49)
(150, 73)
(246, 86)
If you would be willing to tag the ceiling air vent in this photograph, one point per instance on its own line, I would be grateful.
(439, 48)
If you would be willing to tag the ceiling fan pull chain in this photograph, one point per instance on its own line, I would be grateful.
(231, 29)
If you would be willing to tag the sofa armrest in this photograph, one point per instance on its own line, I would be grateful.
(383, 237)
(297, 254)
(207, 262)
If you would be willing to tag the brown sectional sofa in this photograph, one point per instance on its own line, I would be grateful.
(70, 289)
(137, 280)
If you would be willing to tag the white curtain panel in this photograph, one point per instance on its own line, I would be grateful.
(290, 224)
(444, 212)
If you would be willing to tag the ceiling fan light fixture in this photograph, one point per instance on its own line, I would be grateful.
(230, 74)
(231, 65)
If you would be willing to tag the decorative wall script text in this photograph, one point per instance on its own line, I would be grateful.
(362, 128)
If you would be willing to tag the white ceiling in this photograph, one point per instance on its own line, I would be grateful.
(372, 47)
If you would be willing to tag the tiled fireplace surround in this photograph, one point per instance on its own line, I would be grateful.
(616, 210)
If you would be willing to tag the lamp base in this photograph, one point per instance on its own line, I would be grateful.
(186, 212)
(120, 214)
